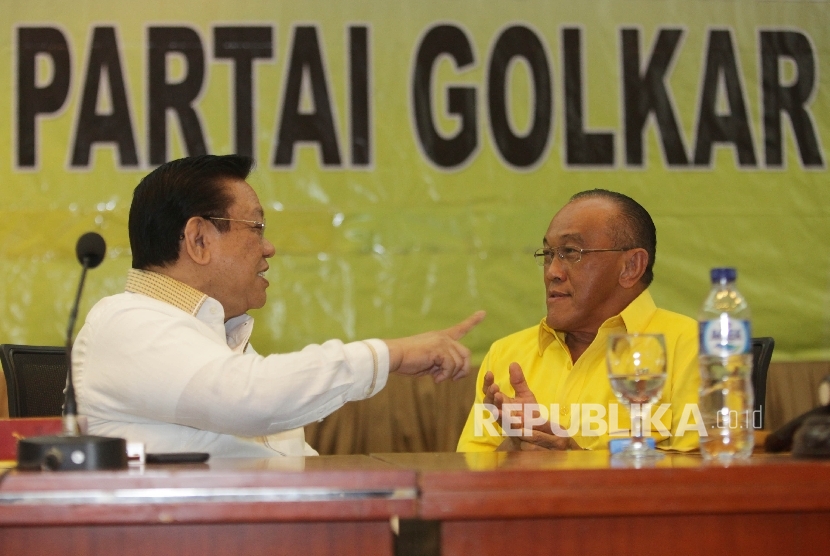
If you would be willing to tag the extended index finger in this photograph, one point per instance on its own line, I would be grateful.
(461, 329)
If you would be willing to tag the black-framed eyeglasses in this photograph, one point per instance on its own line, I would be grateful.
(567, 254)
(255, 224)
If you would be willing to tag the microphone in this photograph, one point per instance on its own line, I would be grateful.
(90, 251)
(72, 450)
(782, 439)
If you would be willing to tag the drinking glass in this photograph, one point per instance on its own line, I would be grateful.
(637, 372)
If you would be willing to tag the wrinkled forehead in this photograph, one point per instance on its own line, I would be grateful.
(583, 223)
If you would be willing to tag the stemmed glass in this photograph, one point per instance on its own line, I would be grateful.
(637, 372)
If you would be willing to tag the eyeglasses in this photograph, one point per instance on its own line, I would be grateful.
(569, 255)
(255, 225)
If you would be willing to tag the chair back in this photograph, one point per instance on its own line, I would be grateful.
(761, 355)
(35, 379)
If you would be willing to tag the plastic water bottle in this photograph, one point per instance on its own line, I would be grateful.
(726, 394)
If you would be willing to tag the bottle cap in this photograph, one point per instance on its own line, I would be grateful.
(721, 274)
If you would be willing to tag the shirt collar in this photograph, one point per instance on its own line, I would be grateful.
(237, 331)
(638, 314)
(546, 336)
(166, 289)
(633, 318)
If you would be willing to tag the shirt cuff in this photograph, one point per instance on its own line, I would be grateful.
(371, 363)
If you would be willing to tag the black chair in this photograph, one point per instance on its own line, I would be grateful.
(761, 355)
(35, 379)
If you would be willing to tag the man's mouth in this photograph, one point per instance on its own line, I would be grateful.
(557, 295)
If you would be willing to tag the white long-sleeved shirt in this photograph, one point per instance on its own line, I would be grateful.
(158, 364)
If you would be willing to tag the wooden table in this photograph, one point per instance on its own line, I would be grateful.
(578, 503)
(496, 503)
(320, 505)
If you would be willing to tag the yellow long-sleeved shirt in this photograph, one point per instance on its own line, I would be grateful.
(555, 379)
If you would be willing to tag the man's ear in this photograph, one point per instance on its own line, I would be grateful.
(636, 262)
(196, 241)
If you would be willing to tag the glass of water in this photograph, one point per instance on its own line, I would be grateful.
(637, 372)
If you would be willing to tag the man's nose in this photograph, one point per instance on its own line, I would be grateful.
(268, 249)
(555, 271)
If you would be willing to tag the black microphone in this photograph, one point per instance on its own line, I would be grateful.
(782, 439)
(90, 251)
(72, 450)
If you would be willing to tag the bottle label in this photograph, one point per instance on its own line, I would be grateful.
(725, 337)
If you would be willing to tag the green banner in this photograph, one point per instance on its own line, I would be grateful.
(411, 155)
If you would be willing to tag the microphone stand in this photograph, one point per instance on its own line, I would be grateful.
(73, 450)
(70, 407)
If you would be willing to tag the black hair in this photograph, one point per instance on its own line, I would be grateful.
(636, 229)
(173, 193)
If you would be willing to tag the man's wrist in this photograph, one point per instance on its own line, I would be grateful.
(395, 354)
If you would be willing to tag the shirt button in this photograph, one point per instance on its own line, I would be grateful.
(367, 392)
(213, 310)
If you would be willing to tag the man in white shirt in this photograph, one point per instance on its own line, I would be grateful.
(168, 361)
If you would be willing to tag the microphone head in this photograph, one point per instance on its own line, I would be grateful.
(92, 247)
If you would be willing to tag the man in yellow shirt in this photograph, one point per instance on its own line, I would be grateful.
(598, 255)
